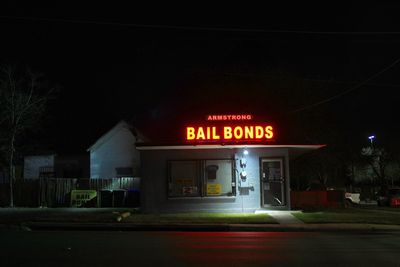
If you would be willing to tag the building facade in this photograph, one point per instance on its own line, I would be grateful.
(56, 166)
(228, 163)
(233, 178)
(114, 154)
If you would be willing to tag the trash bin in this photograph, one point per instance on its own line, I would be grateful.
(106, 198)
(133, 198)
(119, 197)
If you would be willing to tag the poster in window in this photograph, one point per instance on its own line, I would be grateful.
(214, 189)
(189, 190)
(212, 172)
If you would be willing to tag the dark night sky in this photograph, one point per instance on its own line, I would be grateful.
(167, 64)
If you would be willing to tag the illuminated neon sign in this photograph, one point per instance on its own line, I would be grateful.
(238, 117)
(227, 128)
(230, 133)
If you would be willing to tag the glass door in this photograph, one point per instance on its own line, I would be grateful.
(272, 182)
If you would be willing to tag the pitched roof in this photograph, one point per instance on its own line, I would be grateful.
(121, 124)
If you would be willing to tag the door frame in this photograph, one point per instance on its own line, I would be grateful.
(283, 186)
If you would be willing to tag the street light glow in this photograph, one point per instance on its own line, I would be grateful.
(371, 138)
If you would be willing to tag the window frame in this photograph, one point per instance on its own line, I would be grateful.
(202, 179)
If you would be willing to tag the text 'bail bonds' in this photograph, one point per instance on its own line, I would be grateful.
(256, 132)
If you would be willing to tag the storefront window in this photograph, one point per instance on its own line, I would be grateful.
(204, 178)
(184, 179)
(218, 176)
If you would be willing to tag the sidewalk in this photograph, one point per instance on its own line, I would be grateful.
(284, 217)
(90, 220)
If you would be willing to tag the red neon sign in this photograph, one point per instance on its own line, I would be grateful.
(239, 117)
(215, 133)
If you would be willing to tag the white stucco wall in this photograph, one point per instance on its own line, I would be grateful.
(116, 151)
(33, 163)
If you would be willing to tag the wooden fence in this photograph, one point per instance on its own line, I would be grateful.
(56, 192)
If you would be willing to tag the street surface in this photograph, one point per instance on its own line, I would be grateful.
(94, 248)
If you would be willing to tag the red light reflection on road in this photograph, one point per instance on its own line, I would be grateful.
(231, 248)
(236, 234)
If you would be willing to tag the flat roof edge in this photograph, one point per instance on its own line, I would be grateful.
(225, 147)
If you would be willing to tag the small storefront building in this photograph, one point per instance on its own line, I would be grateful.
(226, 163)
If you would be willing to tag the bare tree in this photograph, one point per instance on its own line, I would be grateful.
(378, 160)
(23, 98)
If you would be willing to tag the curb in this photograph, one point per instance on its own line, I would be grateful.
(14, 227)
(349, 228)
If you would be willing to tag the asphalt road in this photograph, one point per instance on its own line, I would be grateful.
(90, 248)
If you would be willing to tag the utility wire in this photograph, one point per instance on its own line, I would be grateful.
(199, 28)
(348, 90)
(351, 82)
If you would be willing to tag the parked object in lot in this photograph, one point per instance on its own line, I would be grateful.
(389, 197)
(353, 198)
(395, 201)
(317, 199)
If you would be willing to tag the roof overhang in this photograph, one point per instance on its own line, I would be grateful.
(185, 147)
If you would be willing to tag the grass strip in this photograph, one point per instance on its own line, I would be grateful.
(348, 216)
(202, 217)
